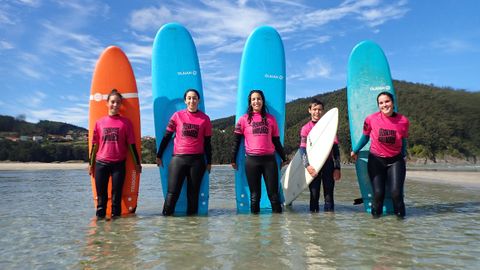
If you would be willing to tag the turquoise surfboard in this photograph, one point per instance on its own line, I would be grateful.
(262, 67)
(175, 69)
(368, 75)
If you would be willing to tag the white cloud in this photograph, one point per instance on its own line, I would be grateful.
(379, 15)
(75, 115)
(28, 65)
(151, 17)
(5, 45)
(79, 51)
(34, 100)
(30, 71)
(308, 42)
(84, 8)
(452, 45)
(370, 12)
(215, 23)
(316, 68)
(7, 15)
(31, 3)
(289, 3)
(138, 53)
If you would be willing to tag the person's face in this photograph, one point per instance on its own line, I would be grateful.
(113, 104)
(316, 112)
(191, 100)
(256, 102)
(385, 105)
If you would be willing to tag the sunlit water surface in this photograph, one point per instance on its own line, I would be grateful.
(47, 222)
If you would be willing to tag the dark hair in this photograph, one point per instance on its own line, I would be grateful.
(264, 107)
(315, 101)
(386, 94)
(191, 90)
(114, 92)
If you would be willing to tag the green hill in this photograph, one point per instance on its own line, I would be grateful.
(444, 123)
(55, 141)
(44, 127)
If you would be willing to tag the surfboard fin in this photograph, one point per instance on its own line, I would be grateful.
(358, 201)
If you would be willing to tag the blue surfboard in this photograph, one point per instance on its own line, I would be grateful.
(262, 67)
(368, 75)
(175, 69)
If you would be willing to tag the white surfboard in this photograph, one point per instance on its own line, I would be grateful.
(319, 145)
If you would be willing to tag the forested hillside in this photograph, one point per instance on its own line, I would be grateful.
(42, 128)
(444, 122)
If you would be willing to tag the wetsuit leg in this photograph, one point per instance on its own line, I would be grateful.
(177, 170)
(314, 188)
(253, 171)
(102, 175)
(328, 185)
(194, 181)
(396, 176)
(118, 178)
(378, 176)
(270, 174)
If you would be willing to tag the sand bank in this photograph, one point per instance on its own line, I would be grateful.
(34, 166)
(462, 178)
(467, 179)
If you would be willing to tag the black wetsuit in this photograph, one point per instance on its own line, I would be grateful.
(387, 172)
(190, 166)
(325, 176)
(255, 168)
(103, 171)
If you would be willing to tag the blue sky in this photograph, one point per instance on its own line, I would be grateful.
(48, 49)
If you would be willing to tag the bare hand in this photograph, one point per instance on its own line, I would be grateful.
(209, 167)
(337, 174)
(354, 156)
(91, 170)
(234, 165)
(284, 163)
(159, 162)
(138, 168)
(312, 171)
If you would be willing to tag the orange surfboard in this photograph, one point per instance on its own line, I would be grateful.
(113, 70)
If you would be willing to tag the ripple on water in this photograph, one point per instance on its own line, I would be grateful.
(47, 223)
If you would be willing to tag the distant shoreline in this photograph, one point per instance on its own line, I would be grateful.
(453, 176)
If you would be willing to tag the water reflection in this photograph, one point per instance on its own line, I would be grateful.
(111, 244)
(440, 231)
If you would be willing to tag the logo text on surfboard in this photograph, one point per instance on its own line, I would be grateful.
(187, 73)
(380, 88)
(273, 76)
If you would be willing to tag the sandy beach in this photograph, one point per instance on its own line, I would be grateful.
(466, 179)
(461, 178)
(35, 166)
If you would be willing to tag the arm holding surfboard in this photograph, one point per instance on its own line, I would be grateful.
(330, 168)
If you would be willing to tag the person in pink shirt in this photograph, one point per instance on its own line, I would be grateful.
(260, 131)
(330, 172)
(192, 153)
(388, 132)
(112, 138)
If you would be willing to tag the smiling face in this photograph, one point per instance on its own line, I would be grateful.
(256, 102)
(191, 100)
(316, 111)
(385, 104)
(114, 103)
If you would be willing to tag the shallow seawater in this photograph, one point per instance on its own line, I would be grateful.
(47, 222)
